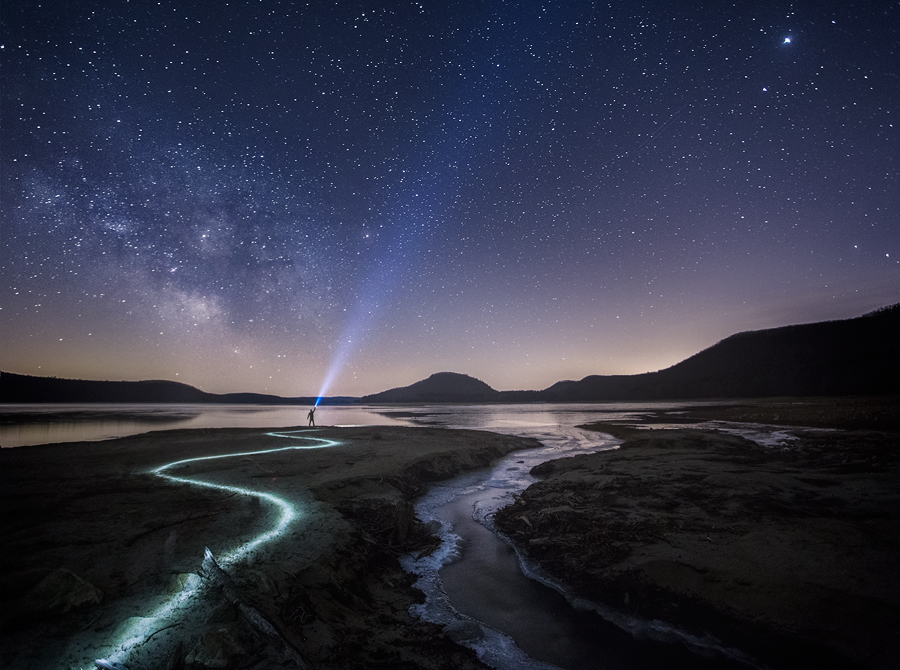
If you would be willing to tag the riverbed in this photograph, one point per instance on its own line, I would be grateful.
(474, 582)
(493, 600)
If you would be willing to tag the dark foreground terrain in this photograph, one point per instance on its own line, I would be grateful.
(93, 544)
(790, 553)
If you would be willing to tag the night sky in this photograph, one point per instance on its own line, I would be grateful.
(259, 196)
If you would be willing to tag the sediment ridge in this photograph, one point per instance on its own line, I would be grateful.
(789, 553)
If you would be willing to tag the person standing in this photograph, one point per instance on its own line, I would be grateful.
(312, 416)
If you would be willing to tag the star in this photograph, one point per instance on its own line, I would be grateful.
(410, 192)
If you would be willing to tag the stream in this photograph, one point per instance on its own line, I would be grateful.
(484, 594)
(490, 599)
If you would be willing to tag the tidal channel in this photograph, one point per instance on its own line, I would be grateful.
(515, 617)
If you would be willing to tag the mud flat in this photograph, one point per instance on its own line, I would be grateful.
(93, 542)
(847, 413)
(789, 553)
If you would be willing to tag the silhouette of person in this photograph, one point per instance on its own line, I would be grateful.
(312, 416)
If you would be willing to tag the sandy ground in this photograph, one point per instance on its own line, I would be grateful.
(790, 553)
(93, 545)
(846, 413)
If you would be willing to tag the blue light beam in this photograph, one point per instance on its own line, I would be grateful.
(424, 196)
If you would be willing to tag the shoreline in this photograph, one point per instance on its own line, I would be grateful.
(787, 553)
(332, 588)
(335, 590)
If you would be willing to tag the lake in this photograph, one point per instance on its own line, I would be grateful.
(23, 425)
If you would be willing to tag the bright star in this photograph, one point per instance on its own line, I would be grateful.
(787, 40)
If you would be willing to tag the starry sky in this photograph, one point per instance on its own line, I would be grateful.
(347, 196)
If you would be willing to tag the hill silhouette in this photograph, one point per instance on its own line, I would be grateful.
(439, 387)
(859, 356)
(15, 388)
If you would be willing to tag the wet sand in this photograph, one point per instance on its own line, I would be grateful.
(788, 553)
(92, 542)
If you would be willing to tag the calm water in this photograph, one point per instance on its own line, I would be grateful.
(22, 425)
(508, 611)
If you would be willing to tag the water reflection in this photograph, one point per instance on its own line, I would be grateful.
(22, 425)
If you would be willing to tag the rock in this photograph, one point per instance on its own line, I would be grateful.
(60, 592)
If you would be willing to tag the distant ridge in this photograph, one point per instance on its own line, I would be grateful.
(439, 387)
(859, 356)
(15, 388)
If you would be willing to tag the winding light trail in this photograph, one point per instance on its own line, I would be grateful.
(142, 628)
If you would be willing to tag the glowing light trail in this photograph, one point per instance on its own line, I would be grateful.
(137, 633)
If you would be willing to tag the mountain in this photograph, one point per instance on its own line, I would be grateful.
(439, 387)
(16, 388)
(858, 356)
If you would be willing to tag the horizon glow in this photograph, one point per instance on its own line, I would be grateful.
(307, 201)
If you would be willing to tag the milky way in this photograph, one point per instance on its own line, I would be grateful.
(236, 195)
